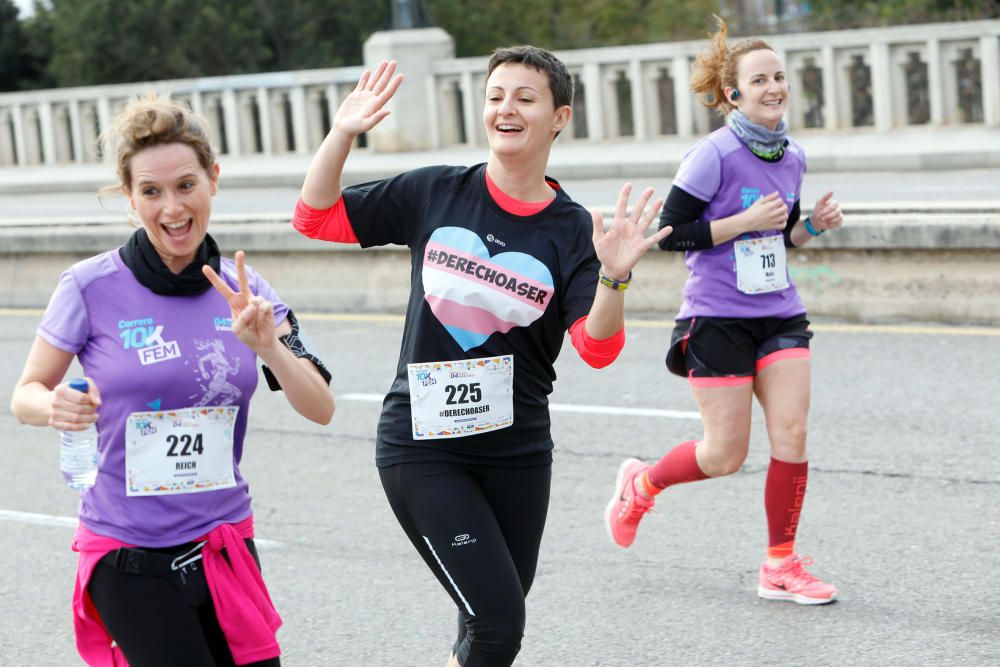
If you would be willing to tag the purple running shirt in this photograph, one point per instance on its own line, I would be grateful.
(722, 171)
(147, 352)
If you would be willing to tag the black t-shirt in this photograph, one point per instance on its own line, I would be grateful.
(501, 283)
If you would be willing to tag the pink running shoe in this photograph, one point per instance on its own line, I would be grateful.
(790, 581)
(626, 507)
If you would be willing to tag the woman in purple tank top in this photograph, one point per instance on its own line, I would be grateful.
(742, 329)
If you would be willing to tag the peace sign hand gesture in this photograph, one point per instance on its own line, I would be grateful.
(620, 247)
(253, 316)
(363, 108)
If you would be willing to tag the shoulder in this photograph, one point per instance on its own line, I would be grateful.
(795, 149)
(724, 141)
(94, 268)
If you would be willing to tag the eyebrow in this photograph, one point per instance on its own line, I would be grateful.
(534, 90)
(147, 181)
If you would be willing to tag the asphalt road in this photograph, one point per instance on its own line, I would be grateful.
(901, 514)
(973, 185)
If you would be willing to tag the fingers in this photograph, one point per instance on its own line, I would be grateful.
(241, 272)
(72, 410)
(390, 89)
(93, 393)
(598, 221)
(376, 76)
(622, 206)
(640, 205)
(363, 81)
(651, 214)
(383, 75)
(659, 236)
(825, 198)
(265, 315)
(217, 282)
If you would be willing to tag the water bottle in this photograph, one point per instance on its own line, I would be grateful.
(78, 451)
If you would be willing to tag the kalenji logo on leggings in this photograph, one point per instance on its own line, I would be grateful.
(462, 540)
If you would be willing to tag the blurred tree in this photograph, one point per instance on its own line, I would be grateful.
(88, 42)
(844, 14)
(11, 46)
(479, 26)
(25, 48)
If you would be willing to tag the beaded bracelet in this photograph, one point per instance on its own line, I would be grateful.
(812, 230)
(616, 284)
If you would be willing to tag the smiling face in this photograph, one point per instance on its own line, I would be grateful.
(763, 88)
(520, 115)
(172, 193)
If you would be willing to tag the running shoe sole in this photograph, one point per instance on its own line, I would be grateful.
(769, 594)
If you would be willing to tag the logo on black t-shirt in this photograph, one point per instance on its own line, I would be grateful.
(474, 294)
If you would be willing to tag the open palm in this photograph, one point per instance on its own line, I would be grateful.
(624, 242)
(365, 108)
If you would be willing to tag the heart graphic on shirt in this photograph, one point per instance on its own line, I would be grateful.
(475, 295)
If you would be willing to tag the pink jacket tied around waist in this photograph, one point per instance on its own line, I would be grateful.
(245, 611)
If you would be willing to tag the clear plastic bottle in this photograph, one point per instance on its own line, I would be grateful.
(78, 451)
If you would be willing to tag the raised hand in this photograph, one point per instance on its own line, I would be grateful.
(769, 212)
(363, 108)
(253, 316)
(624, 242)
(826, 213)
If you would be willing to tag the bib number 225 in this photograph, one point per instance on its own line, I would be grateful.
(460, 394)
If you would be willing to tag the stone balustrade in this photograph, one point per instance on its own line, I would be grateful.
(878, 79)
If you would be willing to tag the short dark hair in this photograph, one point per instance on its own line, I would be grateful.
(560, 80)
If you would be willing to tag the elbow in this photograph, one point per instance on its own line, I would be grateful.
(324, 414)
(602, 361)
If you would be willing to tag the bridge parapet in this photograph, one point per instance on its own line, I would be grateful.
(871, 80)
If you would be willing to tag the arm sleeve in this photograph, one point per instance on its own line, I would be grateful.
(681, 211)
(66, 324)
(793, 217)
(597, 353)
(302, 348)
(330, 224)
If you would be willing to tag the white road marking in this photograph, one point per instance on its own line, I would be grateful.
(71, 522)
(570, 407)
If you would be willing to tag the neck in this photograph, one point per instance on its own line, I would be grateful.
(519, 180)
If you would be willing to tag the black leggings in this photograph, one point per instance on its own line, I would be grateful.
(479, 529)
(155, 625)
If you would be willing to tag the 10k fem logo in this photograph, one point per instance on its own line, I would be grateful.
(147, 340)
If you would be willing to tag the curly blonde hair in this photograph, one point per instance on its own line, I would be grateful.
(717, 67)
(154, 121)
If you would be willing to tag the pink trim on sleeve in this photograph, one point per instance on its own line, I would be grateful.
(246, 615)
(329, 224)
(597, 353)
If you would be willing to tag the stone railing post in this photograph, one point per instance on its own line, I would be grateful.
(408, 127)
(989, 55)
(881, 86)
